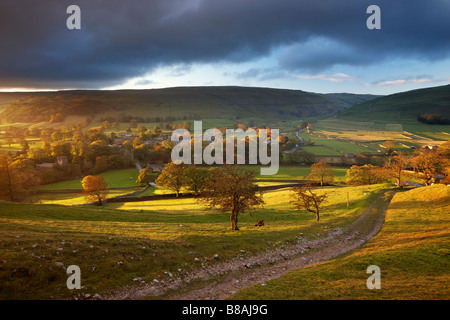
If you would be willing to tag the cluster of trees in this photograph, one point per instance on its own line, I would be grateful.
(433, 118)
(87, 151)
(182, 125)
(227, 188)
(182, 176)
(124, 118)
(17, 178)
(422, 164)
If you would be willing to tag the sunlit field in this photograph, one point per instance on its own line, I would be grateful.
(412, 251)
(149, 238)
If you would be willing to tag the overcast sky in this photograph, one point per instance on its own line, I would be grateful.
(311, 45)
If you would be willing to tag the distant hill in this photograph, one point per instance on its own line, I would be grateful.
(402, 107)
(178, 103)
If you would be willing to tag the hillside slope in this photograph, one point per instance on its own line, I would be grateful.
(179, 103)
(401, 107)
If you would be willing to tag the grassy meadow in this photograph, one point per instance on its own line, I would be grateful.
(412, 251)
(123, 178)
(122, 184)
(121, 241)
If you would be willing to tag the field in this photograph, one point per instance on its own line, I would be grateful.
(166, 235)
(299, 172)
(396, 113)
(412, 251)
(334, 147)
(125, 178)
(121, 183)
(404, 135)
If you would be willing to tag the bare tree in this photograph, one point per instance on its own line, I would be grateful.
(305, 198)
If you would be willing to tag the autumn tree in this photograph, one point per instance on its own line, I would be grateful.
(232, 189)
(167, 145)
(428, 163)
(446, 172)
(172, 177)
(366, 174)
(128, 145)
(157, 131)
(195, 178)
(389, 147)
(94, 189)
(395, 166)
(305, 198)
(444, 149)
(145, 176)
(17, 179)
(322, 172)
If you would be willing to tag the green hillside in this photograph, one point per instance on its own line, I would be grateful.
(402, 107)
(181, 103)
(395, 115)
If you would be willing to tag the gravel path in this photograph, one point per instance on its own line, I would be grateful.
(223, 279)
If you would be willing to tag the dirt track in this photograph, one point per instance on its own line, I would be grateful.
(223, 279)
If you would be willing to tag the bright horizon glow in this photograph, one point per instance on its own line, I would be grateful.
(382, 78)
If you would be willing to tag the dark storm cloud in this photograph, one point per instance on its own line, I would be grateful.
(122, 39)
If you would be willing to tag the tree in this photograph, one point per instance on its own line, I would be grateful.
(395, 166)
(305, 198)
(17, 179)
(389, 147)
(157, 130)
(168, 145)
(172, 177)
(133, 123)
(322, 172)
(106, 124)
(444, 149)
(6, 179)
(195, 178)
(94, 189)
(233, 189)
(446, 172)
(366, 174)
(427, 164)
(128, 145)
(102, 163)
(145, 176)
